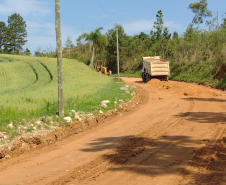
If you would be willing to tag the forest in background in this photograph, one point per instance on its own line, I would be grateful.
(195, 56)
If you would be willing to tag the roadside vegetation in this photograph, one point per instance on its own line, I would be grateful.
(29, 90)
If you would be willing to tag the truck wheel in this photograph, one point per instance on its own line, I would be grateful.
(143, 77)
(148, 78)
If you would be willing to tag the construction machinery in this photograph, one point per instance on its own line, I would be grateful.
(154, 67)
(100, 66)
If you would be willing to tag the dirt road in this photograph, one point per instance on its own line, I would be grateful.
(176, 136)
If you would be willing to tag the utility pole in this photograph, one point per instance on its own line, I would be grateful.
(59, 60)
(117, 52)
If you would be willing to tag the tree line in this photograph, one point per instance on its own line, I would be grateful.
(194, 45)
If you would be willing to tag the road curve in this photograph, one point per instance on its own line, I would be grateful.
(176, 136)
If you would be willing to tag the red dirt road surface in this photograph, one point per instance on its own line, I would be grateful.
(176, 136)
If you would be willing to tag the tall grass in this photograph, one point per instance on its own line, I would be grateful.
(29, 87)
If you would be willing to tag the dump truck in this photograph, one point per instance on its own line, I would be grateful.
(154, 67)
(100, 66)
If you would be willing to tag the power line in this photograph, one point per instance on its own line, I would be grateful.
(105, 11)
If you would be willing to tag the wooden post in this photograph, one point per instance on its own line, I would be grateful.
(117, 52)
(59, 60)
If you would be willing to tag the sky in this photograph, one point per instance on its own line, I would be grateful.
(84, 16)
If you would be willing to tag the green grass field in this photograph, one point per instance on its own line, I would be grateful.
(29, 88)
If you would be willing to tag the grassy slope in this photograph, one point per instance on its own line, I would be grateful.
(196, 72)
(29, 87)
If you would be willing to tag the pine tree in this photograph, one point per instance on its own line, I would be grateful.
(16, 33)
(158, 25)
(175, 35)
(200, 10)
(68, 42)
(2, 35)
(27, 52)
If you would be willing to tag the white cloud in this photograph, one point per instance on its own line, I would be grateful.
(40, 28)
(138, 26)
(24, 7)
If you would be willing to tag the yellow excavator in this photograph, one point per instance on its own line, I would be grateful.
(100, 66)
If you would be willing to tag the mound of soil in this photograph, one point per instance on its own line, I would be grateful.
(184, 89)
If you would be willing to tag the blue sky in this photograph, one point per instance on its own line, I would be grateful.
(82, 16)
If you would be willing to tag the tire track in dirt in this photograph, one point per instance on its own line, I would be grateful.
(132, 147)
(208, 165)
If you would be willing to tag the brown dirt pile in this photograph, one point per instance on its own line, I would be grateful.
(184, 89)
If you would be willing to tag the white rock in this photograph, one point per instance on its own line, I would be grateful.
(68, 119)
(5, 137)
(104, 105)
(38, 122)
(124, 88)
(106, 101)
(115, 102)
(127, 86)
(34, 128)
(121, 100)
(10, 125)
(101, 112)
(77, 115)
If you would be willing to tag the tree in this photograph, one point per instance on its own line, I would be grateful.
(212, 24)
(200, 10)
(158, 25)
(49, 49)
(68, 44)
(159, 35)
(223, 25)
(2, 35)
(38, 51)
(165, 41)
(175, 35)
(97, 39)
(111, 54)
(16, 32)
(27, 52)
